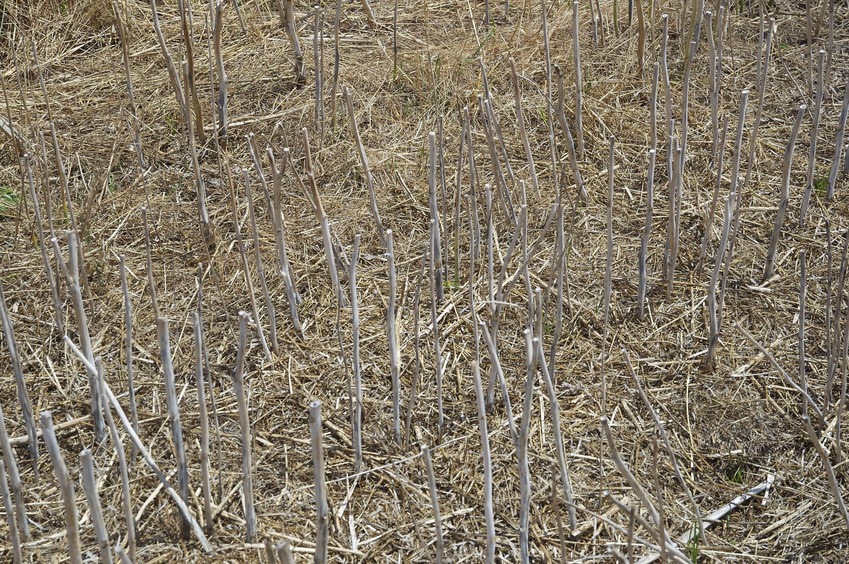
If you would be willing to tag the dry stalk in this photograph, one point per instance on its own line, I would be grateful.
(223, 80)
(499, 372)
(284, 553)
(734, 190)
(357, 424)
(336, 59)
(458, 199)
(487, 465)
(608, 274)
(673, 226)
(436, 234)
(245, 427)
(395, 41)
(361, 152)
(803, 292)
(812, 151)
(122, 555)
(253, 150)
(598, 39)
(434, 501)
(667, 92)
(287, 20)
(549, 94)
(472, 210)
(318, 59)
(372, 22)
(830, 44)
(443, 247)
(764, 76)
(149, 266)
(526, 277)
(653, 106)
(562, 278)
(838, 143)
(95, 511)
(392, 339)
(784, 197)
(641, 33)
(14, 479)
(565, 480)
(126, 500)
(555, 504)
(437, 346)
(128, 348)
(490, 269)
(658, 492)
(20, 384)
(269, 306)
(202, 343)
(14, 538)
(72, 281)
(715, 199)
(184, 6)
(417, 356)
(493, 122)
(173, 75)
(174, 416)
(193, 152)
(322, 510)
(836, 344)
(131, 97)
(66, 487)
(45, 184)
(810, 45)
(286, 273)
(522, 451)
(829, 308)
(579, 101)
(570, 143)
(641, 267)
(48, 268)
(714, 308)
(270, 554)
(325, 226)
(204, 421)
(181, 505)
(829, 469)
(7, 128)
(713, 90)
(246, 269)
(520, 121)
(495, 162)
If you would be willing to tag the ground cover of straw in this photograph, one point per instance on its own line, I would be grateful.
(730, 425)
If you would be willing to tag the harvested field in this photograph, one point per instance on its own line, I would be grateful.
(612, 306)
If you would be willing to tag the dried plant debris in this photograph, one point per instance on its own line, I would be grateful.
(424, 281)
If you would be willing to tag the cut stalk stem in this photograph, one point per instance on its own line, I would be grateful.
(245, 427)
(66, 487)
(17, 556)
(95, 511)
(784, 196)
(174, 417)
(322, 510)
(487, 465)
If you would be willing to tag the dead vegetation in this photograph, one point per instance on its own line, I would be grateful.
(464, 338)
